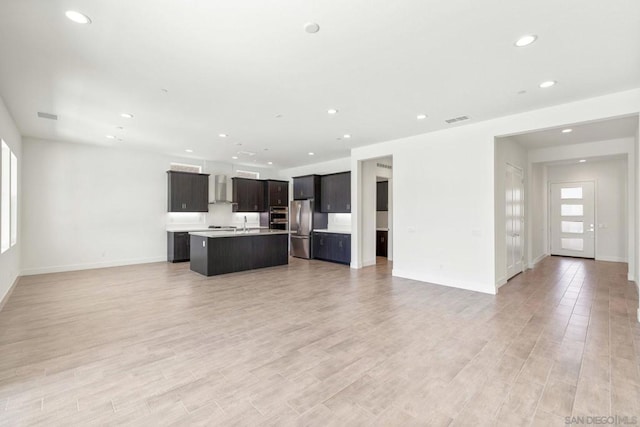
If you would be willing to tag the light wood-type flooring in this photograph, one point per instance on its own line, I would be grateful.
(315, 343)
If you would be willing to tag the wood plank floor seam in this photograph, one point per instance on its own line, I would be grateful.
(319, 344)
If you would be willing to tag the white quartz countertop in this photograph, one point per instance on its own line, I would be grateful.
(382, 229)
(194, 228)
(329, 230)
(237, 233)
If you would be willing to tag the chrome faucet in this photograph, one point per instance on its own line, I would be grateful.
(245, 224)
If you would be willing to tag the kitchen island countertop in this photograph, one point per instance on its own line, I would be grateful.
(237, 233)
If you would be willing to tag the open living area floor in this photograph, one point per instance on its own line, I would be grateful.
(317, 344)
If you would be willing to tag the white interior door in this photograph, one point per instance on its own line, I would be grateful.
(572, 219)
(514, 215)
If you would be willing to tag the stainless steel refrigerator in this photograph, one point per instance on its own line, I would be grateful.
(303, 219)
(300, 227)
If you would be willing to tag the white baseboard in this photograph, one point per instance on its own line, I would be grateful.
(485, 288)
(369, 262)
(6, 296)
(90, 266)
(610, 258)
(501, 282)
(630, 277)
(537, 260)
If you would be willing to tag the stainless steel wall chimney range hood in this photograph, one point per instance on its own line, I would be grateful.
(220, 190)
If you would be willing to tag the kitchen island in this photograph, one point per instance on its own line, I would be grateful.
(220, 252)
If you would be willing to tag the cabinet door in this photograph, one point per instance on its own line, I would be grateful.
(382, 243)
(278, 193)
(303, 187)
(198, 194)
(258, 189)
(178, 187)
(239, 195)
(181, 246)
(342, 249)
(343, 191)
(328, 193)
(382, 196)
(322, 245)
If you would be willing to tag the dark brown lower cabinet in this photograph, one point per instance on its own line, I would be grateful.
(219, 255)
(334, 247)
(177, 246)
(382, 243)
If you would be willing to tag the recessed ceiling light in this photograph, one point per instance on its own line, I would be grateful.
(332, 111)
(77, 17)
(421, 116)
(269, 163)
(238, 143)
(119, 127)
(165, 90)
(234, 157)
(111, 137)
(311, 27)
(189, 150)
(547, 84)
(126, 115)
(347, 136)
(567, 130)
(522, 92)
(526, 40)
(311, 153)
(582, 160)
(223, 135)
(278, 116)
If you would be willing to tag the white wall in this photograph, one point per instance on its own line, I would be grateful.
(444, 191)
(368, 191)
(507, 152)
(610, 177)
(538, 229)
(10, 260)
(323, 168)
(88, 206)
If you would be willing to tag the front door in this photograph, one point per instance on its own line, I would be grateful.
(572, 219)
(514, 191)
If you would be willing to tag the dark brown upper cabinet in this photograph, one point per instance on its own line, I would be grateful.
(249, 195)
(382, 196)
(336, 193)
(277, 193)
(187, 192)
(307, 187)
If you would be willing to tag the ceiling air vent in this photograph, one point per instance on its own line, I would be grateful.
(47, 116)
(382, 165)
(457, 119)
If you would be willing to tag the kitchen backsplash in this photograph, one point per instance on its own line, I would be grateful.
(339, 221)
(382, 219)
(219, 214)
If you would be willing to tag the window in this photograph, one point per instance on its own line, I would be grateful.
(8, 198)
(571, 210)
(247, 174)
(183, 167)
(571, 193)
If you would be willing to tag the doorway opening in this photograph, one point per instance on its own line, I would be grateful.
(579, 195)
(375, 213)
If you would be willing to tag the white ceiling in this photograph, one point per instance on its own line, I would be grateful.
(232, 66)
(603, 130)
